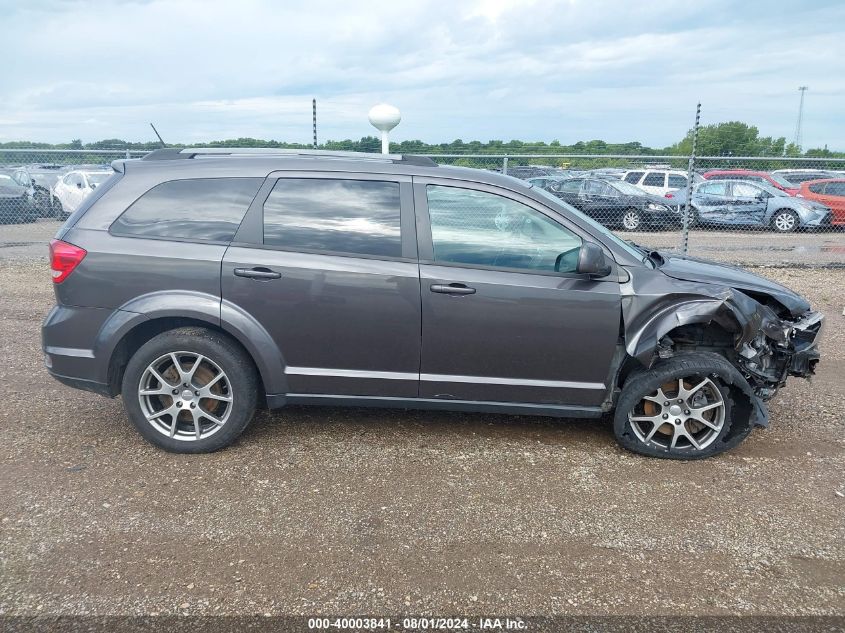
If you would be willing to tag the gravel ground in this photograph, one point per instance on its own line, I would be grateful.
(331, 511)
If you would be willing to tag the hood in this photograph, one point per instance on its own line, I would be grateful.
(694, 269)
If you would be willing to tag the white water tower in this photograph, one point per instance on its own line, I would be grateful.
(384, 117)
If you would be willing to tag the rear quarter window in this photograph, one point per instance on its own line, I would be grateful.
(205, 209)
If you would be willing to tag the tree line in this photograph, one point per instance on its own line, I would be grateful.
(731, 138)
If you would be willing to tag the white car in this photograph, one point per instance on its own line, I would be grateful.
(72, 188)
(659, 181)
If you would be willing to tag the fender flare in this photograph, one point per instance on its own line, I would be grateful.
(201, 307)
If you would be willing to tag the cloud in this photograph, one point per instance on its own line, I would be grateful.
(501, 69)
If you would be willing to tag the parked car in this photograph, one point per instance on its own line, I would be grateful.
(829, 192)
(743, 203)
(41, 196)
(778, 182)
(16, 198)
(72, 188)
(44, 176)
(529, 171)
(196, 288)
(605, 172)
(658, 181)
(616, 203)
(543, 182)
(797, 176)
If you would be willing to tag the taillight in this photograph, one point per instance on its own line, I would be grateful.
(669, 195)
(64, 258)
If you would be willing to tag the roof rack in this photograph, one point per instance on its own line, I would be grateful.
(176, 153)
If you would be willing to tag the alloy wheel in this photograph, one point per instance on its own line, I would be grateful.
(785, 222)
(185, 396)
(631, 220)
(686, 414)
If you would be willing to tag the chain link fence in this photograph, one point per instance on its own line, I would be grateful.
(759, 211)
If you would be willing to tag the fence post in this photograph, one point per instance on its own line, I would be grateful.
(690, 172)
(505, 165)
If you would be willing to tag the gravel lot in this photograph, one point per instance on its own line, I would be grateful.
(331, 511)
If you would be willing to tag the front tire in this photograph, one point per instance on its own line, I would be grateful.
(632, 220)
(682, 408)
(785, 221)
(190, 390)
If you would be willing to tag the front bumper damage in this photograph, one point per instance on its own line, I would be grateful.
(767, 349)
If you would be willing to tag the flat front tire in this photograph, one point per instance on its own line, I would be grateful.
(190, 390)
(681, 408)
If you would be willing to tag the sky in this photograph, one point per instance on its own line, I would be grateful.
(470, 69)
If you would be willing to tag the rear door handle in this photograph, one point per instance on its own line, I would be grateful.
(452, 289)
(257, 273)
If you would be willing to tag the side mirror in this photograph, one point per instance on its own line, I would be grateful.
(591, 261)
(79, 185)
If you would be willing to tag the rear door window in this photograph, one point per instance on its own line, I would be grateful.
(633, 177)
(745, 190)
(355, 217)
(570, 186)
(713, 189)
(203, 209)
(655, 179)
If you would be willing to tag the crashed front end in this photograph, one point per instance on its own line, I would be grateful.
(768, 337)
(781, 348)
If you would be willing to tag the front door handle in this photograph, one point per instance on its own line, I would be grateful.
(452, 289)
(257, 273)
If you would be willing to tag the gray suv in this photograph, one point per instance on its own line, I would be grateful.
(202, 283)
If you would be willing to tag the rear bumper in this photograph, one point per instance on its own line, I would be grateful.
(68, 338)
(83, 384)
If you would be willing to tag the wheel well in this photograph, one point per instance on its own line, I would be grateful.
(710, 337)
(143, 332)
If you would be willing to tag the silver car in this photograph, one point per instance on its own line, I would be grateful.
(743, 203)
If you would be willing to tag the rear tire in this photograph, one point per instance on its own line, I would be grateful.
(199, 406)
(692, 423)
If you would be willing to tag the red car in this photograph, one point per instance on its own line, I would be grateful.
(775, 180)
(830, 192)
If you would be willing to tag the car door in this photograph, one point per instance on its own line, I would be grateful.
(748, 204)
(499, 323)
(326, 264)
(711, 201)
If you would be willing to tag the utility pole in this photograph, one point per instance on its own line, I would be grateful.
(797, 140)
(314, 112)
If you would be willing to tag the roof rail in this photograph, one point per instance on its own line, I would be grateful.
(176, 153)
